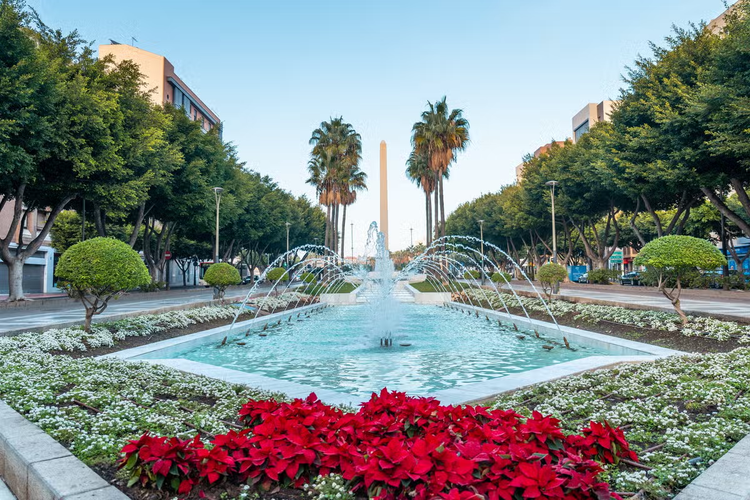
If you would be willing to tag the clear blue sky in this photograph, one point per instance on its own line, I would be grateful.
(273, 70)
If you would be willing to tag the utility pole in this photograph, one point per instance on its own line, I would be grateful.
(287, 243)
(552, 185)
(411, 237)
(83, 221)
(481, 239)
(351, 234)
(217, 195)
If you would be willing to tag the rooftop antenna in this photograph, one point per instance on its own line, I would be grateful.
(132, 41)
(113, 42)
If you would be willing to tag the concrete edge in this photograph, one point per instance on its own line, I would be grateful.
(205, 335)
(36, 467)
(726, 479)
(600, 340)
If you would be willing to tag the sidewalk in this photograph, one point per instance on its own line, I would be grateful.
(718, 303)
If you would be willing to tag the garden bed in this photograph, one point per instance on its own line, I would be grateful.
(664, 329)
(680, 414)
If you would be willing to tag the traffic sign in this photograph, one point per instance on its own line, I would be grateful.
(616, 257)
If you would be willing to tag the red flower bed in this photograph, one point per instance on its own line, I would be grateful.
(395, 446)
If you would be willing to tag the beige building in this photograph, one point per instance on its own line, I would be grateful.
(591, 114)
(163, 82)
(539, 152)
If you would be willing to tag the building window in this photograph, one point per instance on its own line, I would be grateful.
(582, 129)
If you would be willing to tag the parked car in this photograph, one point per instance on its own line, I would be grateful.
(632, 278)
(584, 278)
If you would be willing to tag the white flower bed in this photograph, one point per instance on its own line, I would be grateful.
(698, 326)
(106, 334)
(272, 303)
(694, 407)
(129, 399)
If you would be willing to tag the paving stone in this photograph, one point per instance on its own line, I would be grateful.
(694, 492)
(742, 448)
(107, 493)
(728, 475)
(61, 477)
(5, 493)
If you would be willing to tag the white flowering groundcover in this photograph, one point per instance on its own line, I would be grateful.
(679, 414)
(698, 326)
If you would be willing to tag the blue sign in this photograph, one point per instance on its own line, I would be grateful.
(575, 272)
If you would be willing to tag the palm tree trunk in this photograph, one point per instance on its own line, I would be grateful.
(436, 220)
(343, 234)
(442, 208)
(328, 226)
(335, 235)
(427, 218)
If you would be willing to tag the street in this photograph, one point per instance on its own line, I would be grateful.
(14, 319)
(711, 302)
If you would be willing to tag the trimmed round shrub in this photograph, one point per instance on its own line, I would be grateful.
(221, 276)
(308, 277)
(550, 275)
(676, 258)
(501, 277)
(97, 270)
(471, 274)
(276, 274)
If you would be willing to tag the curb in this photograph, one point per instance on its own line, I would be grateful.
(36, 467)
(726, 479)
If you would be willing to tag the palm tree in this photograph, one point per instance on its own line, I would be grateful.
(440, 135)
(334, 170)
(418, 171)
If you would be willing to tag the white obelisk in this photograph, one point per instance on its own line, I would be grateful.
(384, 192)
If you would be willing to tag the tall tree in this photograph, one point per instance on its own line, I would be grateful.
(56, 118)
(419, 172)
(440, 134)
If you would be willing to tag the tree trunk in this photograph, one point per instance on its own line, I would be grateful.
(427, 218)
(343, 234)
(328, 226)
(436, 219)
(137, 225)
(728, 213)
(99, 221)
(442, 209)
(90, 311)
(15, 279)
(674, 298)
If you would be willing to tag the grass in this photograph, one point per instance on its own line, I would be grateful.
(335, 288)
(430, 286)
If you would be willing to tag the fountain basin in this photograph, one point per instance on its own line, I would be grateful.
(453, 356)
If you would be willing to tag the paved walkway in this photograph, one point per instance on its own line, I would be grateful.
(735, 304)
(5, 493)
(15, 319)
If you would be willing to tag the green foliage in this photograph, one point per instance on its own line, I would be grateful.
(471, 274)
(276, 274)
(551, 273)
(153, 286)
(603, 276)
(96, 270)
(221, 276)
(100, 267)
(307, 277)
(677, 255)
(501, 277)
(66, 231)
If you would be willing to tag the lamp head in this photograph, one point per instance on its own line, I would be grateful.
(218, 190)
(551, 183)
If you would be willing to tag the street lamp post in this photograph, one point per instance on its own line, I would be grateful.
(351, 235)
(411, 237)
(217, 195)
(552, 185)
(481, 243)
(287, 243)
